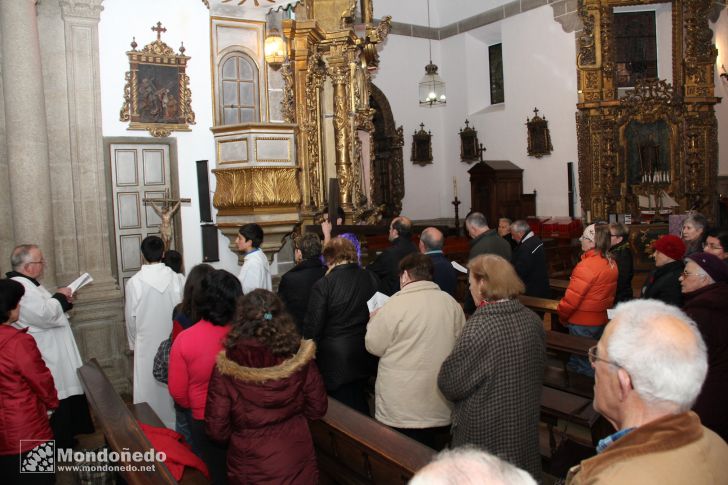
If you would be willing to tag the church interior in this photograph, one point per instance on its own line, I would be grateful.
(227, 112)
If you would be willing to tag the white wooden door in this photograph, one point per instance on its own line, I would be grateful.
(138, 171)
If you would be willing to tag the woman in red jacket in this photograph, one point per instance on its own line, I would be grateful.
(192, 358)
(591, 290)
(264, 388)
(27, 392)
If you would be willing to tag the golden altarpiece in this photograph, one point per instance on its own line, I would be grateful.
(659, 138)
(275, 172)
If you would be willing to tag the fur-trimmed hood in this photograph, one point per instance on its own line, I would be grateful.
(282, 370)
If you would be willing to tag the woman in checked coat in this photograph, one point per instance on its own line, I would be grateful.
(495, 372)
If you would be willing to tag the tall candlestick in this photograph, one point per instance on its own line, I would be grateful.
(455, 186)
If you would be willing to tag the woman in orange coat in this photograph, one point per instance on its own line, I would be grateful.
(591, 291)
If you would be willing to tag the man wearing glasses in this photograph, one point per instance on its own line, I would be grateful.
(44, 315)
(650, 365)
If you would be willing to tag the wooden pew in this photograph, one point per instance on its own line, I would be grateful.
(121, 430)
(558, 287)
(354, 449)
(542, 306)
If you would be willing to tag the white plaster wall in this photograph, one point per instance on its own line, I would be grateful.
(408, 11)
(186, 22)
(720, 38)
(539, 70)
(442, 12)
(402, 65)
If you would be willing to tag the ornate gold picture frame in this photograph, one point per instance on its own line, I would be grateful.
(157, 96)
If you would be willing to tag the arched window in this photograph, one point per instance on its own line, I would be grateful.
(239, 90)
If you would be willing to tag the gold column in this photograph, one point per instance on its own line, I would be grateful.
(304, 37)
(366, 12)
(342, 132)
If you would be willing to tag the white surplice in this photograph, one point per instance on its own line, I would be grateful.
(50, 328)
(151, 295)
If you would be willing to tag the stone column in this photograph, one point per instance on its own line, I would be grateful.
(91, 235)
(98, 319)
(7, 236)
(26, 129)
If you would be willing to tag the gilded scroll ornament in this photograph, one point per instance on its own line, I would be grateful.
(587, 55)
(288, 103)
(256, 187)
(315, 76)
(157, 97)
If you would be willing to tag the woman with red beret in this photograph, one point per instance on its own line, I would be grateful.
(663, 283)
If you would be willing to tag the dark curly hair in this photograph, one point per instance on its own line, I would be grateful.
(217, 300)
(261, 316)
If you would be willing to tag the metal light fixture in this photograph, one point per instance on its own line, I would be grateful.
(275, 49)
(724, 74)
(432, 87)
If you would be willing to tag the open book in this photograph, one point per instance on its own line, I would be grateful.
(377, 301)
(80, 282)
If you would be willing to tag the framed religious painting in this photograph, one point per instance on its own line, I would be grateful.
(469, 151)
(539, 137)
(422, 146)
(157, 96)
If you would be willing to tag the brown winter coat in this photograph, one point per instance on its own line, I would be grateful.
(672, 450)
(260, 403)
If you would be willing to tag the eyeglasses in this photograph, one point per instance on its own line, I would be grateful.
(42, 261)
(715, 247)
(685, 274)
(594, 357)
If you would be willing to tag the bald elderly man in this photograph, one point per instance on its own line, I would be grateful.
(445, 276)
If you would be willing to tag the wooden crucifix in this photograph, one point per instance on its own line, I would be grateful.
(165, 212)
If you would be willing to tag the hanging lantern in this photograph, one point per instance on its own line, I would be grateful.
(432, 88)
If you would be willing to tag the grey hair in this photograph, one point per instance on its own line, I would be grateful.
(432, 239)
(477, 219)
(663, 374)
(470, 465)
(520, 226)
(698, 220)
(20, 255)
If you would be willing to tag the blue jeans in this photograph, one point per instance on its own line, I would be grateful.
(578, 364)
(183, 418)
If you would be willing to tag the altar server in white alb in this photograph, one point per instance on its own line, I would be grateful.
(151, 295)
(255, 272)
(44, 314)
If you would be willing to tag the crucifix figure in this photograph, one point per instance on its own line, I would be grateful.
(159, 29)
(165, 211)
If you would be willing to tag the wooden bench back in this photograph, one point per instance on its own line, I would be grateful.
(118, 424)
(542, 306)
(355, 449)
